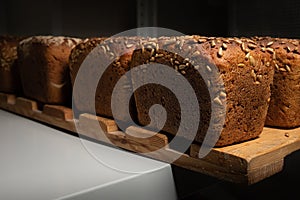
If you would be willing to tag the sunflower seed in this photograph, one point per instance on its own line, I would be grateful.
(241, 65)
(252, 61)
(118, 64)
(181, 67)
(282, 69)
(269, 43)
(152, 59)
(208, 83)
(218, 101)
(287, 68)
(129, 45)
(222, 94)
(270, 50)
(224, 46)
(247, 56)
(171, 61)
(220, 52)
(202, 40)
(208, 68)
(104, 49)
(226, 40)
(239, 41)
(213, 43)
(243, 46)
(111, 54)
(252, 46)
(159, 55)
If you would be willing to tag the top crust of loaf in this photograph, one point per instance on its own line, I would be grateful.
(50, 40)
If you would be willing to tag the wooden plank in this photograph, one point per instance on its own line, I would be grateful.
(60, 112)
(146, 137)
(26, 104)
(265, 171)
(119, 139)
(87, 121)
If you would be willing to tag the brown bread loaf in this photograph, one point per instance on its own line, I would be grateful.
(9, 76)
(114, 71)
(44, 70)
(284, 109)
(244, 69)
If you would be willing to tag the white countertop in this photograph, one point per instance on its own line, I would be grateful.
(39, 162)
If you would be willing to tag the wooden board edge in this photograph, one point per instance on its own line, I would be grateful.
(230, 162)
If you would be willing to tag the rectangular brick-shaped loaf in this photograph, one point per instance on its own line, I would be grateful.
(243, 67)
(284, 109)
(44, 71)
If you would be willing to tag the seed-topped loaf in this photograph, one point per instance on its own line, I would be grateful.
(44, 70)
(244, 69)
(114, 71)
(284, 109)
(9, 76)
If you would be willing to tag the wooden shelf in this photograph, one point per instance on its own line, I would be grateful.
(248, 162)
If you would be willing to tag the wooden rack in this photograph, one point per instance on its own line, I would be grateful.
(248, 162)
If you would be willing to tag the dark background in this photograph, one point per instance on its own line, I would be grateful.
(87, 18)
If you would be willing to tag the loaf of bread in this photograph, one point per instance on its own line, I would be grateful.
(244, 69)
(44, 71)
(284, 109)
(114, 71)
(9, 77)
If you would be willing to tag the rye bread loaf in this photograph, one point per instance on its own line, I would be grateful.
(114, 71)
(244, 69)
(9, 76)
(284, 109)
(44, 70)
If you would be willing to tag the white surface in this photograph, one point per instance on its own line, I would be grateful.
(38, 162)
